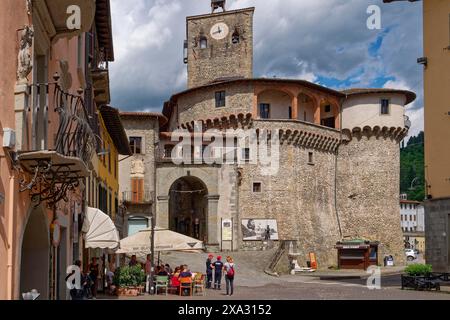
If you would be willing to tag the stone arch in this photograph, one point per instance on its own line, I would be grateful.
(307, 105)
(35, 253)
(188, 205)
(280, 101)
(329, 113)
(206, 177)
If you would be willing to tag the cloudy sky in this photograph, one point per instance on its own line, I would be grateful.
(323, 41)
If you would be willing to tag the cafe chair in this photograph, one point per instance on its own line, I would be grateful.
(200, 284)
(186, 284)
(162, 282)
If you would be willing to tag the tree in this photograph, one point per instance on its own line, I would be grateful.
(412, 168)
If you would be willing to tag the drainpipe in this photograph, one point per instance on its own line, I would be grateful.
(11, 223)
(336, 167)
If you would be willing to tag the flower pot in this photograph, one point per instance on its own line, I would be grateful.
(127, 291)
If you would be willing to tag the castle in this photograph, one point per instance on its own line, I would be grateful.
(339, 155)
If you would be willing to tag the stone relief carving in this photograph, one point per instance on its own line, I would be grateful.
(25, 59)
(137, 167)
(66, 76)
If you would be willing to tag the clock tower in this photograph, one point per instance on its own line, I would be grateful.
(219, 45)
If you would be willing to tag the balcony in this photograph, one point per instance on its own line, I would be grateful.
(51, 16)
(51, 172)
(100, 79)
(137, 198)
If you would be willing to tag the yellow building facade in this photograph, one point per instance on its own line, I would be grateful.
(436, 60)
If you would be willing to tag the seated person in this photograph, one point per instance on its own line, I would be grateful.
(185, 273)
(168, 268)
(174, 282)
(161, 272)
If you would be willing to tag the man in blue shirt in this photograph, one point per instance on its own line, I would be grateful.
(209, 271)
(218, 267)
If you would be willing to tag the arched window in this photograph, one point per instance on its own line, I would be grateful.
(235, 38)
(203, 43)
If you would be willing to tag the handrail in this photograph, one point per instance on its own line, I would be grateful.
(75, 137)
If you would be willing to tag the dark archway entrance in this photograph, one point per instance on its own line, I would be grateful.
(188, 208)
(34, 266)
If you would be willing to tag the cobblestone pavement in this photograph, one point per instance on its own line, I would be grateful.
(251, 283)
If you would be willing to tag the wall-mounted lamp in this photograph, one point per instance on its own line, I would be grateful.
(423, 61)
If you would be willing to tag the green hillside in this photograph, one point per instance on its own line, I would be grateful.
(411, 167)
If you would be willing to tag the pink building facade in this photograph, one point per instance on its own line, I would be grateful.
(49, 140)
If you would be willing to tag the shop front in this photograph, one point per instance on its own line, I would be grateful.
(357, 254)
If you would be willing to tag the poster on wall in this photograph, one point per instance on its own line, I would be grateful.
(227, 230)
(258, 229)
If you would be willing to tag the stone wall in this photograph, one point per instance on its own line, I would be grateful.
(221, 58)
(300, 196)
(368, 183)
(146, 128)
(202, 104)
(437, 226)
(139, 165)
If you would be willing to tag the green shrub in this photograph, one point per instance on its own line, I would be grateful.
(419, 270)
(129, 276)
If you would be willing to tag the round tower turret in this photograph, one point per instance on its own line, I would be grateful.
(368, 172)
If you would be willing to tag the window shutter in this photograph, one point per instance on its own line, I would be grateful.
(134, 190)
(141, 190)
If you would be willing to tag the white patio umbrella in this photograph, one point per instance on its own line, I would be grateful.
(165, 240)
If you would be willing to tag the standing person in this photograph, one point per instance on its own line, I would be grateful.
(94, 271)
(209, 271)
(229, 275)
(218, 267)
(148, 271)
(77, 294)
(148, 265)
(267, 233)
(133, 262)
(197, 228)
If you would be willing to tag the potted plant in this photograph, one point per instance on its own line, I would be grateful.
(128, 280)
(418, 277)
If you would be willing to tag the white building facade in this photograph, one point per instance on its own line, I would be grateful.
(412, 217)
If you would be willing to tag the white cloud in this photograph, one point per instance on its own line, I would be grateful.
(293, 39)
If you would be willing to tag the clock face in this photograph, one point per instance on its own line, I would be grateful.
(219, 31)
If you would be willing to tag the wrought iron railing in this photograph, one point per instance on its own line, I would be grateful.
(74, 137)
(144, 197)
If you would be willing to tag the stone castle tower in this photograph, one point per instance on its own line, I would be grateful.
(339, 161)
(219, 46)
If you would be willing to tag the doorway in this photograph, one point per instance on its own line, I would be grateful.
(188, 208)
(35, 254)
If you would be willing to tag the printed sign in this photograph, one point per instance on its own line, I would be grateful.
(227, 230)
(259, 229)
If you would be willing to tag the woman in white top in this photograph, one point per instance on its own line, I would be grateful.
(229, 268)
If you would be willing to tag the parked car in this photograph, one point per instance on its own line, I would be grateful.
(410, 254)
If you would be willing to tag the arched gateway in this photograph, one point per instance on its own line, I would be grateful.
(187, 193)
(188, 207)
